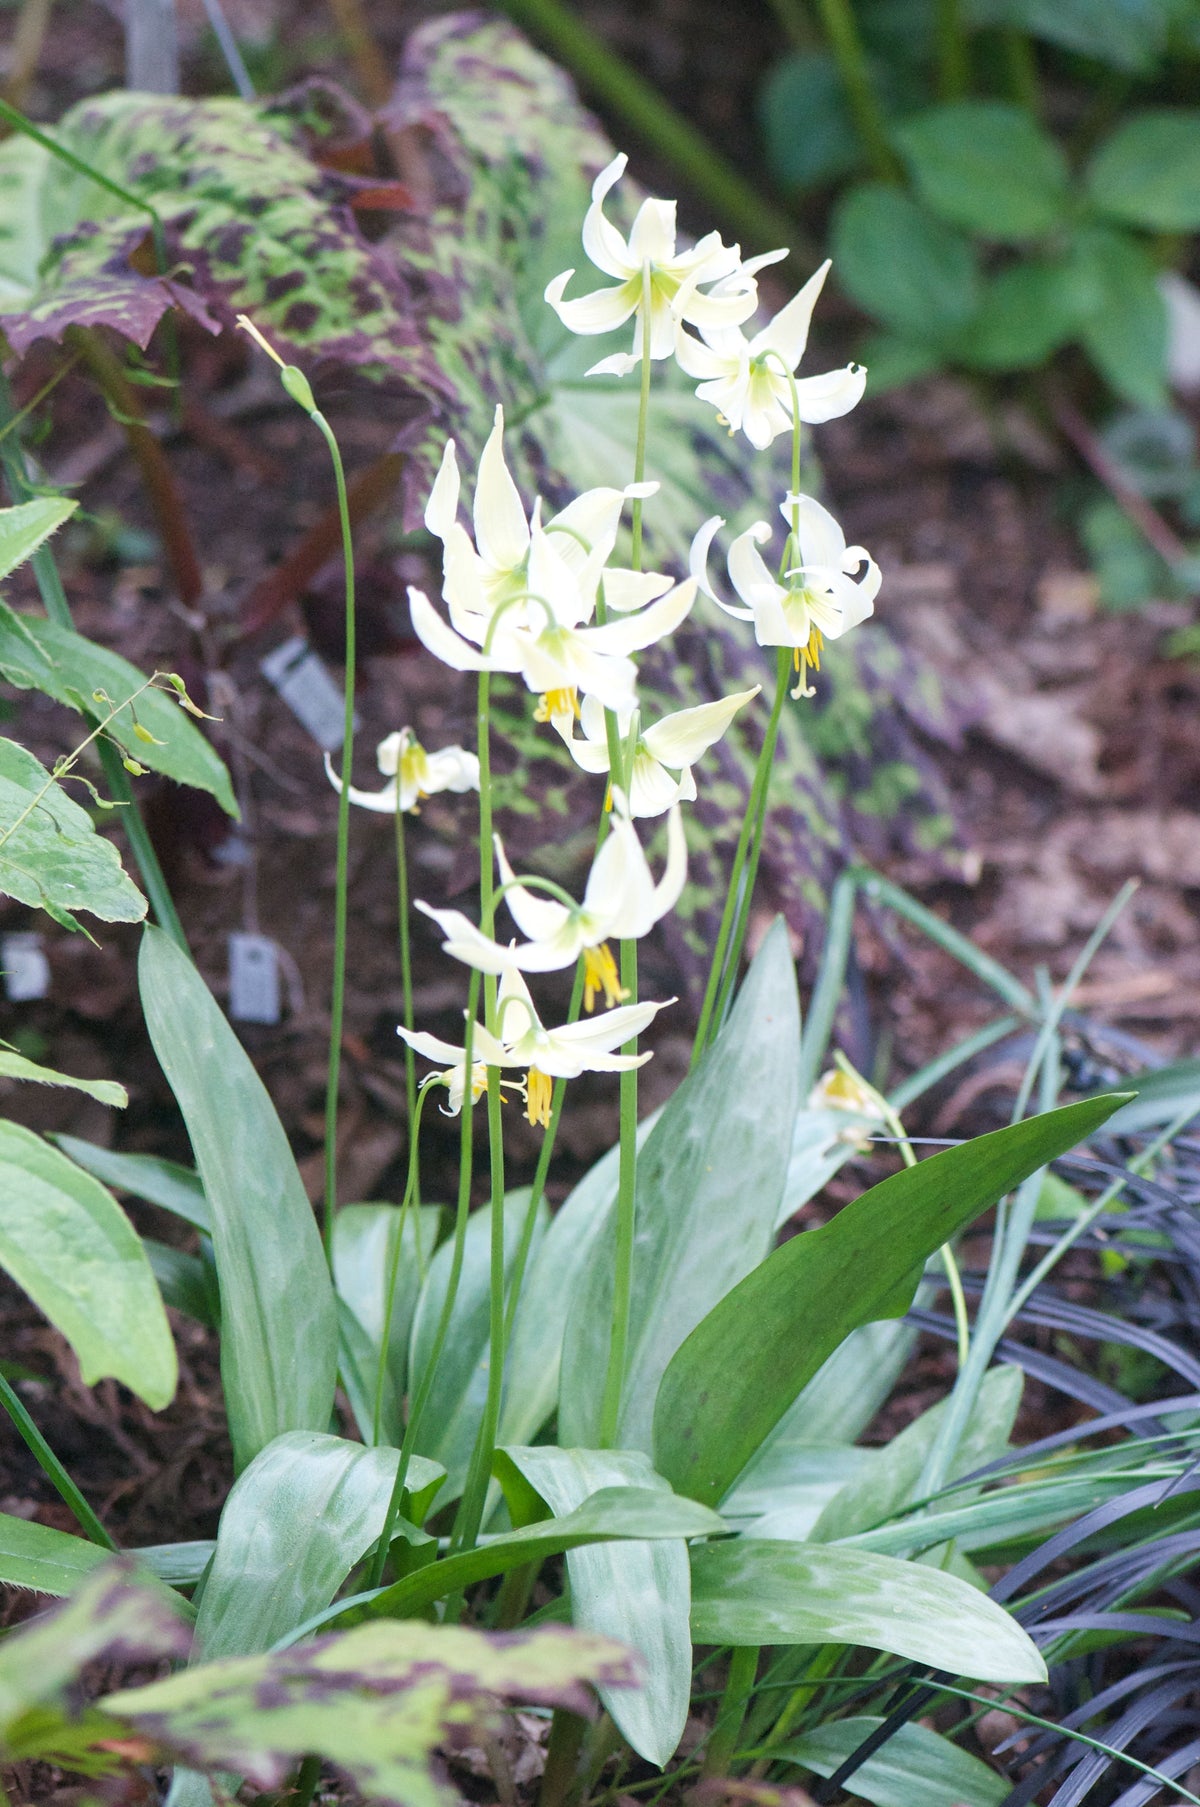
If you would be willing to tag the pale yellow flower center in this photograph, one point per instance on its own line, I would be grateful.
(600, 974)
(555, 703)
(539, 1089)
(414, 770)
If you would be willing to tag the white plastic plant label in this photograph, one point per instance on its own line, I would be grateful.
(253, 979)
(25, 966)
(303, 681)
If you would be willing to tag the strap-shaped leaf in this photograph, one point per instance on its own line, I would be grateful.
(742, 1367)
(278, 1323)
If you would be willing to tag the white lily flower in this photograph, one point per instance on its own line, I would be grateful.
(621, 901)
(523, 1040)
(414, 773)
(481, 574)
(650, 275)
(820, 599)
(665, 751)
(746, 381)
(551, 653)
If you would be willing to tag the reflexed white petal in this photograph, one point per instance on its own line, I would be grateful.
(625, 590)
(787, 333)
(621, 363)
(452, 769)
(538, 917)
(652, 239)
(858, 599)
(431, 1046)
(830, 396)
(382, 801)
(727, 394)
(647, 627)
(604, 245)
(698, 554)
(589, 755)
(620, 890)
(662, 327)
(441, 509)
(752, 265)
(772, 627)
(442, 641)
(718, 312)
(501, 526)
(680, 739)
(702, 361)
(595, 1035)
(821, 540)
(465, 942)
(464, 583)
(387, 753)
(747, 572)
(552, 579)
(599, 312)
(516, 1013)
(670, 886)
(652, 790)
(565, 660)
(588, 524)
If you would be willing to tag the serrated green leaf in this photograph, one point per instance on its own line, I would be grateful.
(752, 1591)
(278, 1323)
(51, 857)
(902, 265)
(37, 654)
(1148, 172)
(104, 1091)
(744, 1364)
(637, 1593)
(67, 1242)
(986, 165)
(24, 528)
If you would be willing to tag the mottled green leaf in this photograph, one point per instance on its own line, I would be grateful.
(67, 1242)
(50, 854)
(637, 1593)
(37, 654)
(915, 1768)
(753, 1591)
(278, 1324)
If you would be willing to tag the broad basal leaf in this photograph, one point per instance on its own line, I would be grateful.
(51, 857)
(915, 1768)
(67, 1242)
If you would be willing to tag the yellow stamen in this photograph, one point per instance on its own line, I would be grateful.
(815, 643)
(557, 702)
(538, 1091)
(600, 974)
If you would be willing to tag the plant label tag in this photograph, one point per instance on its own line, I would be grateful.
(25, 966)
(253, 979)
(303, 681)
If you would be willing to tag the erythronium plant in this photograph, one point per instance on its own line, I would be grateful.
(413, 772)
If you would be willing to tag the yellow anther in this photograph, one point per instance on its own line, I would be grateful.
(555, 703)
(539, 1090)
(600, 974)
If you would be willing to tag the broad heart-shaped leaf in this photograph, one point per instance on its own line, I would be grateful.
(296, 1522)
(456, 1402)
(748, 1590)
(166, 1183)
(37, 654)
(638, 1593)
(1027, 312)
(1128, 34)
(1148, 173)
(24, 528)
(986, 165)
(67, 1242)
(807, 127)
(915, 1768)
(377, 1701)
(709, 1182)
(104, 1091)
(741, 1368)
(1125, 330)
(278, 1322)
(902, 265)
(614, 1512)
(50, 854)
(364, 1248)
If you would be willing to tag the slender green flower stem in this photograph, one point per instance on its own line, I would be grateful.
(341, 885)
(731, 1714)
(841, 29)
(469, 1517)
(54, 600)
(52, 1468)
(737, 897)
(614, 1378)
(462, 1210)
(406, 978)
(953, 63)
(410, 1192)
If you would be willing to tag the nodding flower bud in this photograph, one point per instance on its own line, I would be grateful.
(297, 386)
